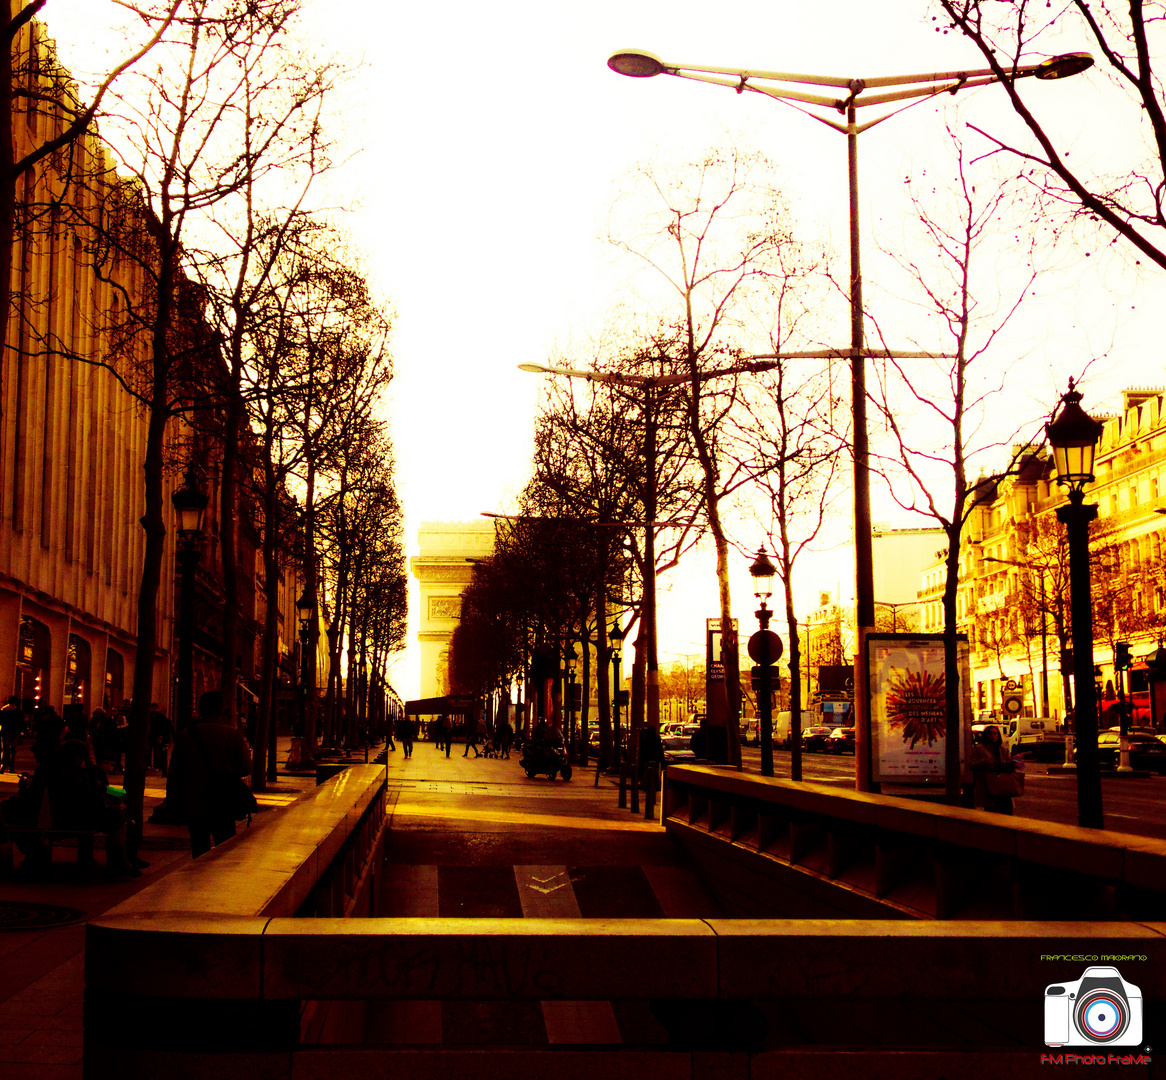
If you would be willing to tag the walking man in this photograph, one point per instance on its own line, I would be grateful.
(471, 737)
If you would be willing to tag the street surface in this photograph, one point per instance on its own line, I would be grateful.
(1133, 806)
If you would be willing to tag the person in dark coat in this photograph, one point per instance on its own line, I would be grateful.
(11, 728)
(206, 753)
(47, 728)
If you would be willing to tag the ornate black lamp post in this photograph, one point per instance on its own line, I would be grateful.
(1073, 435)
(615, 638)
(571, 658)
(763, 652)
(305, 609)
(189, 504)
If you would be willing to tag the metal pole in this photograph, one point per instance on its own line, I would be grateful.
(1044, 645)
(652, 666)
(763, 694)
(188, 557)
(623, 791)
(1076, 517)
(863, 552)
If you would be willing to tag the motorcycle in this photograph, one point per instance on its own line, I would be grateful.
(544, 757)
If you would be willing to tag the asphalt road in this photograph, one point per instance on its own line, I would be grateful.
(1135, 806)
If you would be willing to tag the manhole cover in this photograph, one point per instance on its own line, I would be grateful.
(37, 916)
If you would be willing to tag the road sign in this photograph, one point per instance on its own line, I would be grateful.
(765, 647)
(1013, 704)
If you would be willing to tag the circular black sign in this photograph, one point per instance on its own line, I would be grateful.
(765, 647)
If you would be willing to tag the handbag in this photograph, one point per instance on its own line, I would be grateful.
(1005, 783)
(228, 792)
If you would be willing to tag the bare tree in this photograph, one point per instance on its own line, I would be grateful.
(788, 430)
(715, 234)
(181, 154)
(1127, 197)
(37, 89)
(935, 413)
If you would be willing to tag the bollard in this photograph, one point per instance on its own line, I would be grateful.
(652, 782)
(623, 785)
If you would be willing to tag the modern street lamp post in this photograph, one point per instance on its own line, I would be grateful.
(762, 651)
(854, 95)
(1073, 435)
(190, 503)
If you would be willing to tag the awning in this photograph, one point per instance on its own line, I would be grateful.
(435, 706)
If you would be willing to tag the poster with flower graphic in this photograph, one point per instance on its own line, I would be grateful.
(908, 715)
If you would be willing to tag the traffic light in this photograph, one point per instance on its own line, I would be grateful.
(1121, 656)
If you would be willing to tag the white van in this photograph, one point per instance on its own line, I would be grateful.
(781, 723)
(1038, 737)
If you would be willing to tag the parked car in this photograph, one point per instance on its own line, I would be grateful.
(841, 741)
(676, 749)
(814, 739)
(1146, 751)
(751, 732)
(781, 726)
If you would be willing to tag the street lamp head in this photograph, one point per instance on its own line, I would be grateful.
(190, 503)
(1073, 435)
(636, 63)
(305, 605)
(538, 369)
(1061, 67)
(616, 638)
(571, 657)
(763, 572)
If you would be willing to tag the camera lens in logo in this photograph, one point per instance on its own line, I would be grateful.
(1101, 1015)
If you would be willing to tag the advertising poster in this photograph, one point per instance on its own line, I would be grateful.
(907, 712)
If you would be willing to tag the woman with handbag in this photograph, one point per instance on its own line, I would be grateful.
(996, 780)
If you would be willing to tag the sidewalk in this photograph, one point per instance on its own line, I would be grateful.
(42, 930)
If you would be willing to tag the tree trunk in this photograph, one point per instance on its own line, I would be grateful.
(228, 547)
(311, 588)
(267, 683)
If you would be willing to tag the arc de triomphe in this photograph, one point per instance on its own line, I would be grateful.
(444, 565)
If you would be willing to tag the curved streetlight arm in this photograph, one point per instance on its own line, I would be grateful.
(639, 64)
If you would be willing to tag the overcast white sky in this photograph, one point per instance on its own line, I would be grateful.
(488, 139)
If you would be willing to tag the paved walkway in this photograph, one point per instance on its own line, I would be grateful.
(461, 825)
(477, 839)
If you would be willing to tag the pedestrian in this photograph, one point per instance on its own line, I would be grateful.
(389, 734)
(78, 799)
(650, 753)
(405, 734)
(161, 736)
(996, 780)
(47, 729)
(209, 758)
(506, 737)
(123, 733)
(110, 741)
(11, 728)
(473, 730)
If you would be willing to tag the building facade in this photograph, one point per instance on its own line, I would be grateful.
(72, 444)
(1013, 590)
